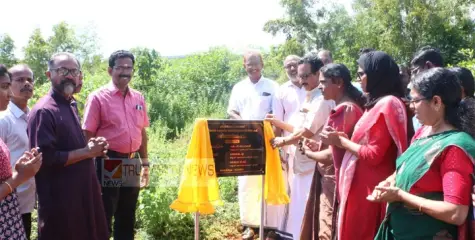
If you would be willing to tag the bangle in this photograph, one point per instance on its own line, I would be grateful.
(146, 164)
(420, 207)
(9, 186)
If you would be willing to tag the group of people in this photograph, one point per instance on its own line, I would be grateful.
(52, 159)
(393, 161)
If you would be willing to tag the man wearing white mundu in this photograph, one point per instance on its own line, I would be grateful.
(251, 99)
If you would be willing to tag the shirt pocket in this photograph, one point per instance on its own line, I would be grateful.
(138, 115)
(265, 103)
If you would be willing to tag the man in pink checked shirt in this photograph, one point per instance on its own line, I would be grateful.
(118, 113)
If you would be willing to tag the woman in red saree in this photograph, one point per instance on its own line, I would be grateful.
(335, 84)
(379, 137)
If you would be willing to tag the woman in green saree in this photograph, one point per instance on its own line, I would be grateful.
(429, 194)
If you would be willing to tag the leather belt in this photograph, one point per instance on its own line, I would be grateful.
(111, 153)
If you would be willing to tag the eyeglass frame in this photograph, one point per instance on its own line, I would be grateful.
(68, 71)
(123, 68)
(414, 101)
(359, 75)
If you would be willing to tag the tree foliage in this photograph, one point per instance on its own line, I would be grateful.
(37, 53)
(7, 50)
(178, 90)
(397, 27)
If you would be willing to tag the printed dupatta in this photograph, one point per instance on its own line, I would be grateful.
(393, 111)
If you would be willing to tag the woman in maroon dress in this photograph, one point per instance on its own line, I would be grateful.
(11, 226)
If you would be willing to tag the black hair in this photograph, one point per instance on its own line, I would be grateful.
(4, 72)
(333, 71)
(312, 59)
(466, 80)
(445, 84)
(383, 77)
(365, 50)
(120, 54)
(428, 53)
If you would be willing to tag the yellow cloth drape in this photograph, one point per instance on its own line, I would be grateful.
(199, 190)
(275, 192)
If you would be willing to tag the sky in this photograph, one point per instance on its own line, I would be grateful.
(172, 27)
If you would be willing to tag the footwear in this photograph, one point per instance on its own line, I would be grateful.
(248, 234)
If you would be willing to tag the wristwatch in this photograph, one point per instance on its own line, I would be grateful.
(146, 164)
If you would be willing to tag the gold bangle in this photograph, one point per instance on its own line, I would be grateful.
(9, 186)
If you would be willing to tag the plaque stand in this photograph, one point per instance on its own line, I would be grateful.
(197, 226)
(263, 210)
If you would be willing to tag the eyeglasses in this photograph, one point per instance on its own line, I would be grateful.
(359, 75)
(414, 101)
(415, 70)
(289, 66)
(305, 76)
(65, 71)
(123, 68)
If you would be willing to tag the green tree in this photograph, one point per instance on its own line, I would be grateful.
(88, 50)
(63, 39)
(7, 51)
(397, 27)
(37, 53)
(147, 64)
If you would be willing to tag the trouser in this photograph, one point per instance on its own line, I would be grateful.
(119, 202)
(26, 218)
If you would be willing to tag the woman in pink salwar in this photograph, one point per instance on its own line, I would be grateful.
(379, 137)
(335, 84)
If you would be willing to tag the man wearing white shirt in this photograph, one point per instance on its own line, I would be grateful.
(308, 123)
(13, 125)
(286, 106)
(251, 99)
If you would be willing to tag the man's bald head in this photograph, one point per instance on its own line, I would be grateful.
(291, 63)
(253, 55)
(19, 68)
(253, 64)
(325, 56)
(291, 58)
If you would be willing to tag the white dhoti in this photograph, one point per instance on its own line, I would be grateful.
(298, 201)
(250, 191)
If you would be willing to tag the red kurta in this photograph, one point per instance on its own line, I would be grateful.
(382, 134)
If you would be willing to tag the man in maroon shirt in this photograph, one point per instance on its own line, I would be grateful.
(69, 196)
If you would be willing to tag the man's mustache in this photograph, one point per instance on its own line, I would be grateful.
(68, 81)
(125, 75)
(26, 90)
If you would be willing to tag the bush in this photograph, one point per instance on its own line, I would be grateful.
(155, 217)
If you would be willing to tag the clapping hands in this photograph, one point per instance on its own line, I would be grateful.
(330, 136)
(28, 165)
(308, 145)
(386, 191)
(98, 147)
